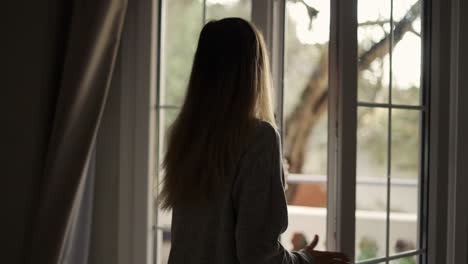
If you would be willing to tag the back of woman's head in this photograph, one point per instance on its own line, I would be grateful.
(228, 92)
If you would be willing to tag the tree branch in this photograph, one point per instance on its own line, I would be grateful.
(412, 30)
(374, 23)
(314, 98)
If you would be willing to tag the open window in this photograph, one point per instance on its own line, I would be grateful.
(391, 126)
(311, 61)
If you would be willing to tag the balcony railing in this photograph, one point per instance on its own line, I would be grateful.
(310, 178)
(370, 224)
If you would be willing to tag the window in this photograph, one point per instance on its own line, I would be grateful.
(389, 130)
(305, 132)
(178, 40)
(391, 115)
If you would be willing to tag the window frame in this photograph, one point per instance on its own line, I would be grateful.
(339, 135)
(342, 127)
(343, 105)
(423, 110)
(269, 17)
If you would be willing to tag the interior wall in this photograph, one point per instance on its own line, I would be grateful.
(32, 53)
(458, 142)
(439, 122)
(463, 114)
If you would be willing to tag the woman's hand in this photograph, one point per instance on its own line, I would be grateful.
(326, 257)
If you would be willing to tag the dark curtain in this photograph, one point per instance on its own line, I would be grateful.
(57, 63)
(77, 242)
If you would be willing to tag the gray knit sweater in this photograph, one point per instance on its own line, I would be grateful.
(242, 226)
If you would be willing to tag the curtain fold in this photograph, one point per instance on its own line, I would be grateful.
(90, 54)
(76, 246)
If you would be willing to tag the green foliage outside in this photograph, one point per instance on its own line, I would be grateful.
(367, 249)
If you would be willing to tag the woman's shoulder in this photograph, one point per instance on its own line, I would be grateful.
(265, 134)
(265, 129)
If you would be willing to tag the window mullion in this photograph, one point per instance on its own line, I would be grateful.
(389, 139)
(342, 126)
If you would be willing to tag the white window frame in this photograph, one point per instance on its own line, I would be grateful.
(423, 109)
(342, 126)
(341, 180)
(340, 220)
(268, 15)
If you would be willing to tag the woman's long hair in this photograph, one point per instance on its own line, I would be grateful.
(228, 91)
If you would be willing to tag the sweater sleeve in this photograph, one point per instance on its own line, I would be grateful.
(260, 204)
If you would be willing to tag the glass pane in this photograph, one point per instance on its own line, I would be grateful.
(371, 186)
(373, 50)
(163, 236)
(179, 40)
(406, 260)
(406, 64)
(216, 9)
(404, 180)
(163, 219)
(401, 8)
(167, 117)
(306, 132)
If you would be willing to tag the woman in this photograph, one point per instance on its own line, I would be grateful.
(223, 175)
